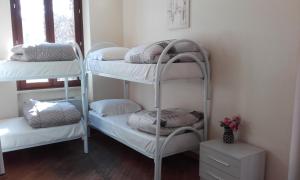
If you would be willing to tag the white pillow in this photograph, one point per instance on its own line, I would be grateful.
(112, 107)
(109, 54)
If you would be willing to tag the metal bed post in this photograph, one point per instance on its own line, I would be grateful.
(157, 158)
(86, 107)
(83, 95)
(126, 89)
(66, 86)
(85, 111)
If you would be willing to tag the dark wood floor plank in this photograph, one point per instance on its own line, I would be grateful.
(107, 160)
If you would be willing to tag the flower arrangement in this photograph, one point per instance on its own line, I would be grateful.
(231, 123)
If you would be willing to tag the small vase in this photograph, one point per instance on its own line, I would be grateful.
(228, 136)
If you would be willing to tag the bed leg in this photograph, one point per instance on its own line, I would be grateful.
(88, 132)
(157, 168)
(2, 169)
(86, 148)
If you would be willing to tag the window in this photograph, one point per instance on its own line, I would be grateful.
(35, 21)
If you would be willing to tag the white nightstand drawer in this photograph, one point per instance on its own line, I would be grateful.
(231, 161)
(220, 161)
(209, 173)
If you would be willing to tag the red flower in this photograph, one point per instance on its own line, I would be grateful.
(227, 121)
(232, 123)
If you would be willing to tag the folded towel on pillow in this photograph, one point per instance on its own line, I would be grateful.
(150, 53)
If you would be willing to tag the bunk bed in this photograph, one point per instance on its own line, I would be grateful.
(152, 146)
(16, 133)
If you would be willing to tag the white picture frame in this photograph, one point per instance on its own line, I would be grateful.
(178, 14)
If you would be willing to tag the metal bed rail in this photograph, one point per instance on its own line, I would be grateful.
(83, 79)
(204, 67)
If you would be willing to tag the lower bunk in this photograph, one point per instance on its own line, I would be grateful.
(116, 127)
(17, 134)
(43, 123)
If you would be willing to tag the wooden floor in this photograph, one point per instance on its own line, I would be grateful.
(107, 160)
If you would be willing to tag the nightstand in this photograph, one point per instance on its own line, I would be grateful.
(240, 161)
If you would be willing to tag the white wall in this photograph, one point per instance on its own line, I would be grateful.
(103, 23)
(255, 52)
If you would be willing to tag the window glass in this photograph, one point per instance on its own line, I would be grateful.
(69, 79)
(33, 21)
(36, 20)
(64, 24)
(37, 81)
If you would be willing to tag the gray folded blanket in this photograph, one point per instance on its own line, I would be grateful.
(150, 53)
(43, 52)
(49, 114)
(171, 119)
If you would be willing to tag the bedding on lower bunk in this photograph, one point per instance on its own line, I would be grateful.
(16, 134)
(142, 72)
(50, 114)
(171, 119)
(118, 128)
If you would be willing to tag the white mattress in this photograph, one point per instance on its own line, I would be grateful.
(15, 70)
(117, 128)
(16, 134)
(142, 72)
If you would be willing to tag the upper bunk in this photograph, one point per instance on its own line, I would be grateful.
(142, 73)
(149, 73)
(17, 70)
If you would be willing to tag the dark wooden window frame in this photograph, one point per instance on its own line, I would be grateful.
(17, 31)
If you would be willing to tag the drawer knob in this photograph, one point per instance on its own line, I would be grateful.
(214, 176)
(219, 161)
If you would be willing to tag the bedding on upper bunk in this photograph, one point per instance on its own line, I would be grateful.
(142, 72)
(49, 114)
(43, 52)
(15, 70)
(171, 119)
(150, 53)
(108, 54)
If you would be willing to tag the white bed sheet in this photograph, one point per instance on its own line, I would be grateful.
(117, 128)
(142, 72)
(15, 70)
(16, 134)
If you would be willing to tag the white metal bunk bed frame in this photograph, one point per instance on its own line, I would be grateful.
(80, 59)
(204, 66)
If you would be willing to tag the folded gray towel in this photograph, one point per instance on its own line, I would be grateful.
(49, 114)
(43, 52)
(150, 53)
(171, 119)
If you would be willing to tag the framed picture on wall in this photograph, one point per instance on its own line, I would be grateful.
(178, 14)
